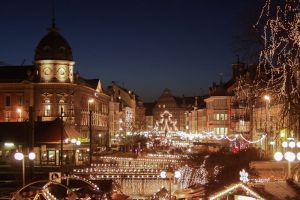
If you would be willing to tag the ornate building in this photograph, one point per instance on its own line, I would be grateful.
(51, 89)
(170, 113)
(122, 111)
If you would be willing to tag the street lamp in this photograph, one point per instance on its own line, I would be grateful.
(267, 98)
(21, 156)
(170, 175)
(75, 143)
(90, 101)
(100, 139)
(289, 155)
(19, 111)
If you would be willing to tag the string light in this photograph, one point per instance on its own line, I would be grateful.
(233, 187)
(277, 71)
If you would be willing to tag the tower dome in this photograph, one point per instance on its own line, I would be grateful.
(53, 47)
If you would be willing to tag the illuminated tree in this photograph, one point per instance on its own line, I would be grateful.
(277, 72)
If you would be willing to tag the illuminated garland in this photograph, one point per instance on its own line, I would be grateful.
(233, 187)
(93, 185)
(253, 142)
(191, 176)
(277, 72)
(211, 135)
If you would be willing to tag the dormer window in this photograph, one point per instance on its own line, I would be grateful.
(62, 49)
(46, 48)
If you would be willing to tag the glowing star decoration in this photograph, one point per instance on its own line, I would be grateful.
(166, 123)
(244, 176)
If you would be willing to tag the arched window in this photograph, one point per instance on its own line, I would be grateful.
(61, 107)
(47, 108)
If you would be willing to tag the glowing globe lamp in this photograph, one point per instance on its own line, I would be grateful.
(19, 156)
(31, 156)
(290, 156)
(284, 144)
(163, 174)
(298, 156)
(278, 156)
(292, 144)
(177, 174)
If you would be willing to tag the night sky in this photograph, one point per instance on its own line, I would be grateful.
(143, 45)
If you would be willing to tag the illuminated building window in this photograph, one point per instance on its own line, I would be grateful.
(20, 100)
(19, 115)
(61, 107)
(220, 116)
(47, 109)
(220, 131)
(7, 101)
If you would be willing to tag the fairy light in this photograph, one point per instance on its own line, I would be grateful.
(166, 123)
(277, 71)
(232, 188)
(255, 141)
(212, 135)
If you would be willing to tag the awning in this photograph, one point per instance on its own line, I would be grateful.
(71, 132)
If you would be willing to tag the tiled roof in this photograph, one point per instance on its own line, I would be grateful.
(16, 74)
(53, 47)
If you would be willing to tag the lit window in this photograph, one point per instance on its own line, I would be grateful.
(220, 131)
(20, 100)
(220, 116)
(61, 107)
(47, 112)
(7, 100)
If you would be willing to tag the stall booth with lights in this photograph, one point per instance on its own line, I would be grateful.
(237, 191)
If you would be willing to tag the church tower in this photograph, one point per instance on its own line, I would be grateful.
(54, 59)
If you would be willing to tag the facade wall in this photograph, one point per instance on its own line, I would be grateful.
(218, 118)
(48, 99)
(140, 117)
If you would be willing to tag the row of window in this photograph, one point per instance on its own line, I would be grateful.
(221, 131)
(220, 116)
(8, 116)
(96, 120)
(7, 100)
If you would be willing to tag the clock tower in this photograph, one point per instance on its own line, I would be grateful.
(53, 58)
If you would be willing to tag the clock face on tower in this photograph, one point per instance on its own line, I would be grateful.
(47, 71)
(61, 71)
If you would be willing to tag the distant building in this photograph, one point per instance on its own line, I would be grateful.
(170, 113)
(127, 113)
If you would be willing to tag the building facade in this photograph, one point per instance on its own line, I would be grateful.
(50, 89)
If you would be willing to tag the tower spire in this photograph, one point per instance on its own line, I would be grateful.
(53, 25)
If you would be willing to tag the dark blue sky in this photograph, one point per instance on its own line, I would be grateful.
(144, 45)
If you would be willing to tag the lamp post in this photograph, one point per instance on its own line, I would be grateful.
(19, 111)
(21, 156)
(100, 139)
(61, 138)
(288, 155)
(170, 174)
(90, 101)
(75, 143)
(267, 99)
